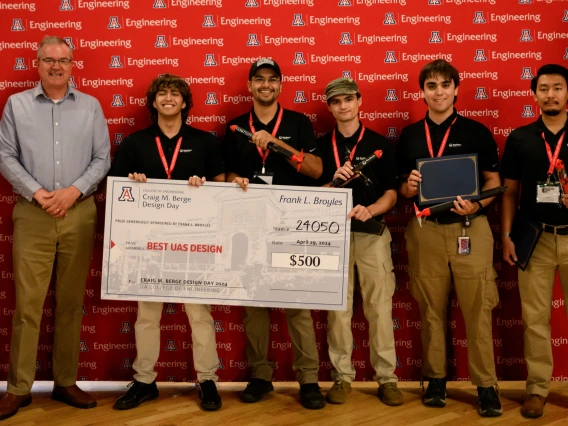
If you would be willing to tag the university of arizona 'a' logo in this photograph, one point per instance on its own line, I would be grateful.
(126, 194)
(481, 93)
(84, 311)
(83, 378)
(479, 55)
(396, 285)
(398, 364)
(211, 99)
(390, 58)
(344, 3)
(565, 18)
(161, 42)
(126, 363)
(525, 1)
(208, 21)
(434, 2)
(117, 101)
(65, 5)
(126, 328)
(20, 64)
(118, 138)
(395, 249)
(435, 37)
(526, 35)
(69, 41)
(210, 60)
(218, 326)
(299, 59)
(389, 19)
(72, 82)
(526, 74)
(220, 366)
(113, 23)
(391, 133)
(298, 21)
(115, 62)
(171, 378)
(396, 324)
(527, 111)
(566, 53)
(159, 4)
(17, 25)
(170, 309)
(300, 97)
(253, 40)
(391, 95)
(345, 39)
(346, 74)
(83, 346)
(38, 365)
(171, 345)
(479, 18)
(251, 3)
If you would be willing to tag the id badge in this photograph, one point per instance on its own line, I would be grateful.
(464, 245)
(264, 176)
(548, 192)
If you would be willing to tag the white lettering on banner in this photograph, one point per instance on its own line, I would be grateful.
(222, 119)
(505, 56)
(373, 39)
(324, 59)
(412, 95)
(460, 2)
(173, 327)
(326, 20)
(144, 62)
(23, 84)
(371, 78)
(417, 57)
(187, 3)
(141, 23)
(493, 75)
(121, 120)
(235, 22)
(480, 113)
(106, 310)
(403, 344)
(376, 115)
(506, 94)
(277, 41)
(278, 3)
(380, 2)
(460, 38)
(48, 25)
(557, 303)
(508, 17)
(128, 82)
(508, 323)
(402, 305)
(172, 364)
(205, 80)
(186, 42)
(502, 131)
(91, 365)
(238, 60)
(95, 44)
(558, 341)
(237, 99)
(18, 45)
(420, 19)
(241, 365)
(551, 36)
(105, 347)
(96, 4)
(299, 79)
(510, 361)
(18, 6)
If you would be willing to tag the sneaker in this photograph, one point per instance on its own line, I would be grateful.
(136, 395)
(389, 394)
(256, 389)
(436, 393)
(489, 404)
(210, 399)
(311, 396)
(338, 392)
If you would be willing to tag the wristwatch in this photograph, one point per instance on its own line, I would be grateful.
(507, 234)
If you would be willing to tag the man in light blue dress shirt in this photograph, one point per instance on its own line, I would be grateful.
(54, 150)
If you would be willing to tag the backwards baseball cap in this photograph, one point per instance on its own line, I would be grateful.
(341, 86)
(264, 63)
(549, 69)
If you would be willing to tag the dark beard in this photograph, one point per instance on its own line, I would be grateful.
(552, 113)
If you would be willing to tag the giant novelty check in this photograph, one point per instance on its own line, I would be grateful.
(274, 246)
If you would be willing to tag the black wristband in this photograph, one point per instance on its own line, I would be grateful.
(480, 205)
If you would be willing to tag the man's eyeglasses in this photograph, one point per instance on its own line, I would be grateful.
(63, 61)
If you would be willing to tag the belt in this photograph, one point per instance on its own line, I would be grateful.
(453, 219)
(77, 201)
(556, 230)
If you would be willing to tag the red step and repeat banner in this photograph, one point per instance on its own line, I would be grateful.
(120, 45)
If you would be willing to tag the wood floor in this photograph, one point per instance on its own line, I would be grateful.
(179, 405)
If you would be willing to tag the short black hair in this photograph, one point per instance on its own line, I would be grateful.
(439, 67)
(549, 69)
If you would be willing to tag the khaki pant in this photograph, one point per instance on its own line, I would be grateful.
(147, 330)
(302, 335)
(535, 286)
(432, 260)
(371, 255)
(40, 243)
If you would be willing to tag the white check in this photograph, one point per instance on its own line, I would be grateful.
(274, 246)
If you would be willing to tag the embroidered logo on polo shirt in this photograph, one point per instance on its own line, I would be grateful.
(284, 138)
(185, 150)
(454, 145)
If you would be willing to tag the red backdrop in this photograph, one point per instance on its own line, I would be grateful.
(120, 45)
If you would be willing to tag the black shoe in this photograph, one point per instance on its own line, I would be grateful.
(210, 399)
(136, 395)
(255, 389)
(489, 404)
(436, 393)
(311, 396)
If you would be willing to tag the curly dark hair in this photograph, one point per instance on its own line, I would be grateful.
(168, 81)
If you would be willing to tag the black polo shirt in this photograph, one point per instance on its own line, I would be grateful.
(200, 154)
(525, 160)
(381, 172)
(467, 136)
(242, 157)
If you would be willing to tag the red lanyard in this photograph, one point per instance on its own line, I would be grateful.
(556, 151)
(429, 139)
(264, 154)
(334, 144)
(169, 169)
